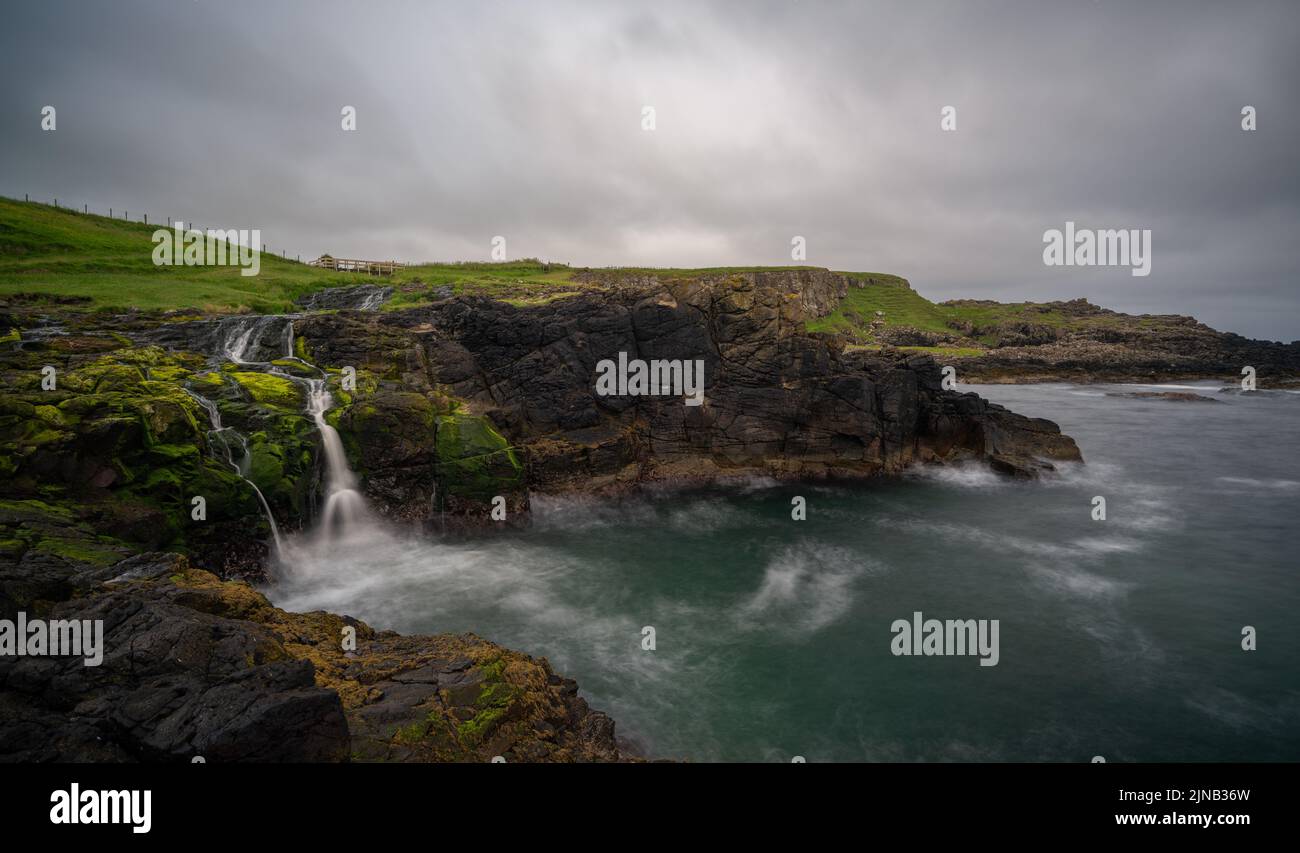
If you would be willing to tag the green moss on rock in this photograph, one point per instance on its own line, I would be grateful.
(83, 550)
(269, 389)
(474, 460)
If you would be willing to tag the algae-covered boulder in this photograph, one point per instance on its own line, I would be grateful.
(476, 465)
(419, 459)
(269, 389)
(389, 437)
(119, 440)
(193, 666)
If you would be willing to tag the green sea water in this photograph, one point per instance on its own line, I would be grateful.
(1118, 638)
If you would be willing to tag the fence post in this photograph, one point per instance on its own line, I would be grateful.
(110, 213)
(56, 202)
(25, 197)
(85, 208)
(146, 219)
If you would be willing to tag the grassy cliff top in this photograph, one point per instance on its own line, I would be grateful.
(873, 314)
(108, 263)
(90, 262)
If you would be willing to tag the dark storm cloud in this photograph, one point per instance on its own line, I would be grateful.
(817, 119)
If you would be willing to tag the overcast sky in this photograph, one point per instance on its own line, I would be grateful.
(773, 119)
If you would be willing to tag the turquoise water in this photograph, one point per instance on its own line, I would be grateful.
(1119, 638)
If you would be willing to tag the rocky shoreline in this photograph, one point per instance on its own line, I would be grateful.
(1089, 345)
(454, 404)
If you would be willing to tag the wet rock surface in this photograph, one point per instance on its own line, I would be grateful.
(441, 409)
(361, 297)
(778, 401)
(1105, 346)
(1175, 396)
(193, 666)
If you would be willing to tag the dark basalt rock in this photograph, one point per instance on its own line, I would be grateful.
(174, 683)
(1176, 396)
(196, 667)
(778, 402)
(1107, 346)
(361, 297)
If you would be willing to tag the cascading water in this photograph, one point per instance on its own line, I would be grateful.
(344, 506)
(240, 340)
(221, 435)
(373, 300)
(239, 335)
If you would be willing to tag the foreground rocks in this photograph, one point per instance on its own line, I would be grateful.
(778, 401)
(441, 409)
(193, 666)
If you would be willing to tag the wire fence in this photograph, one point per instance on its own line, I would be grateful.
(125, 215)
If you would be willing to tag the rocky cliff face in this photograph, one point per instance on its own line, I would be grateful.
(467, 399)
(777, 401)
(194, 667)
(453, 404)
(1098, 345)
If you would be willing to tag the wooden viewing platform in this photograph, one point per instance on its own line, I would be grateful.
(354, 265)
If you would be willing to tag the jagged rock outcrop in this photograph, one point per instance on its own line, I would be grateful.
(469, 399)
(778, 401)
(360, 297)
(441, 409)
(1099, 345)
(193, 666)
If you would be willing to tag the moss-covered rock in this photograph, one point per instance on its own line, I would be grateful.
(475, 462)
(122, 441)
(389, 437)
(269, 389)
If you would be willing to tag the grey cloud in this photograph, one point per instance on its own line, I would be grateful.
(774, 119)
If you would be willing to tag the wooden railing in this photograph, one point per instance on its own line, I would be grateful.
(355, 265)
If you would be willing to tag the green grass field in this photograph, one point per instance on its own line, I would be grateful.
(890, 294)
(59, 252)
(902, 306)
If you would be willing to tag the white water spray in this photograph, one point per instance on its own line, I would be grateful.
(344, 508)
(223, 435)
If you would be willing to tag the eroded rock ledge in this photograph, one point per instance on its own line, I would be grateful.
(456, 402)
(194, 666)
(779, 401)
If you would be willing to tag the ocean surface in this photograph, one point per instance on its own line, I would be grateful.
(1119, 638)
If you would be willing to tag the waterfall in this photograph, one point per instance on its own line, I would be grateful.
(237, 336)
(374, 299)
(344, 506)
(241, 340)
(222, 436)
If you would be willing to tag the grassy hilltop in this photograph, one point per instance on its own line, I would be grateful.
(89, 262)
(107, 263)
